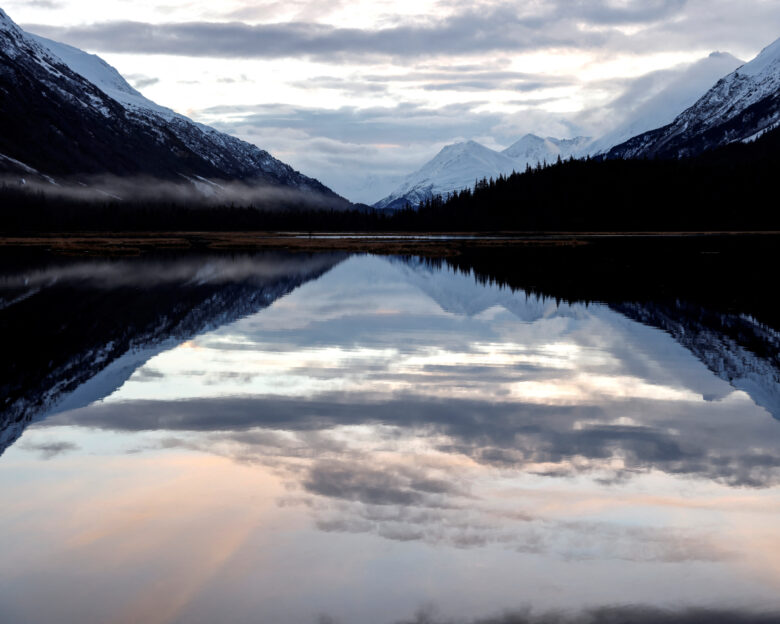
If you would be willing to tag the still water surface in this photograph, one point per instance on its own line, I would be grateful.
(363, 439)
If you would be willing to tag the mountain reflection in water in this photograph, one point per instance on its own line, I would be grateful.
(290, 438)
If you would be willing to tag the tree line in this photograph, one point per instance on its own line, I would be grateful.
(730, 188)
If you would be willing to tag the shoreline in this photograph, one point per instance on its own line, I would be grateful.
(416, 243)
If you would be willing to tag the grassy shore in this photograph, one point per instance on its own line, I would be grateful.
(122, 244)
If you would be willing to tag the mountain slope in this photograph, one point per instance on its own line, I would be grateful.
(740, 106)
(71, 116)
(661, 108)
(458, 166)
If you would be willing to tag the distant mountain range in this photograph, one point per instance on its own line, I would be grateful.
(68, 117)
(739, 107)
(459, 165)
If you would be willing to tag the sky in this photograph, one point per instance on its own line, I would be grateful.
(358, 93)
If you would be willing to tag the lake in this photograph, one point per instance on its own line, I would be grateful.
(350, 438)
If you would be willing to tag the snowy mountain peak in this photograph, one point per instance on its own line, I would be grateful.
(458, 153)
(455, 167)
(460, 165)
(529, 141)
(532, 149)
(739, 107)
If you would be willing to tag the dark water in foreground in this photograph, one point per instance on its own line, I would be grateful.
(355, 439)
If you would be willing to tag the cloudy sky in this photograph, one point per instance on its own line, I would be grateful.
(360, 92)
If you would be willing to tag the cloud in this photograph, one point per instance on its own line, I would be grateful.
(353, 86)
(467, 33)
(469, 30)
(631, 614)
(363, 152)
(44, 4)
(140, 81)
(409, 503)
(505, 435)
(390, 486)
(49, 450)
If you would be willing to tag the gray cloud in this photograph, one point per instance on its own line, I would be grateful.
(505, 435)
(44, 4)
(485, 28)
(408, 505)
(467, 33)
(139, 81)
(355, 86)
(377, 487)
(49, 450)
(631, 614)
(229, 80)
(273, 8)
(485, 85)
(362, 153)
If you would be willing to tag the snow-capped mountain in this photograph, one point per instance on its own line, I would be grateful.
(455, 167)
(661, 108)
(458, 166)
(70, 116)
(739, 107)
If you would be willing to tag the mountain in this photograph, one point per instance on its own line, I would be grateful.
(455, 167)
(741, 106)
(532, 149)
(458, 166)
(68, 116)
(661, 108)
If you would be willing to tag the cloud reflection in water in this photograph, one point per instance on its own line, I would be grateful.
(397, 409)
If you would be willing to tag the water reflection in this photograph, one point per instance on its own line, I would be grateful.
(74, 331)
(346, 439)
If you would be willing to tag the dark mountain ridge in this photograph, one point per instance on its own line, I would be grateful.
(59, 127)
